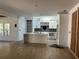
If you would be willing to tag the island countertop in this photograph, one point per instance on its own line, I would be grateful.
(36, 38)
(42, 33)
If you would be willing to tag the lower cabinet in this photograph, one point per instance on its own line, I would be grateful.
(36, 38)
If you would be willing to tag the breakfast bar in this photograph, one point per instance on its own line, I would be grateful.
(36, 38)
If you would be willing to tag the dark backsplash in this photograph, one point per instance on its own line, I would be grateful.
(43, 30)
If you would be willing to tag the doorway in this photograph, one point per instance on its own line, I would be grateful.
(4, 30)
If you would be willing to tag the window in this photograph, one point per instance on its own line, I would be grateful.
(7, 29)
(4, 29)
(1, 29)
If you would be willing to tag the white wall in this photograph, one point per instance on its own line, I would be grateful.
(63, 32)
(22, 27)
(13, 30)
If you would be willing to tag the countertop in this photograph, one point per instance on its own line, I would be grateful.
(38, 33)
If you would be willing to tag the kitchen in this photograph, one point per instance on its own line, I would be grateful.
(42, 29)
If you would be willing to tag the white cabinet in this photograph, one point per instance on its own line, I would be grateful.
(50, 25)
(53, 24)
(36, 24)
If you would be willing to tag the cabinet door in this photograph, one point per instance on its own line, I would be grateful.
(74, 31)
(53, 24)
(50, 24)
(36, 24)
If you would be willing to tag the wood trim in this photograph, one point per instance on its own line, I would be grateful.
(74, 31)
(73, 53)
(77, 40)
(75, 34)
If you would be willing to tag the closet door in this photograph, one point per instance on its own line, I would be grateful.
(77, 42)
(74, 31)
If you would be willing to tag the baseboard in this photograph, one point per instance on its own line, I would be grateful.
(73, 53)
(3, 41)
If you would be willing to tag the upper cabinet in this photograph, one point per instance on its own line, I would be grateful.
(53, 24)
(36, 23)
(50, 21)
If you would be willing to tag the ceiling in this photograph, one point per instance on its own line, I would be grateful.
(36, 7)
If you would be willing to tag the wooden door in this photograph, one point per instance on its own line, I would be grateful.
(77, 42)
(74, 30)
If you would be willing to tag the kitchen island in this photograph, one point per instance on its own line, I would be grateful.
(36, 38)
